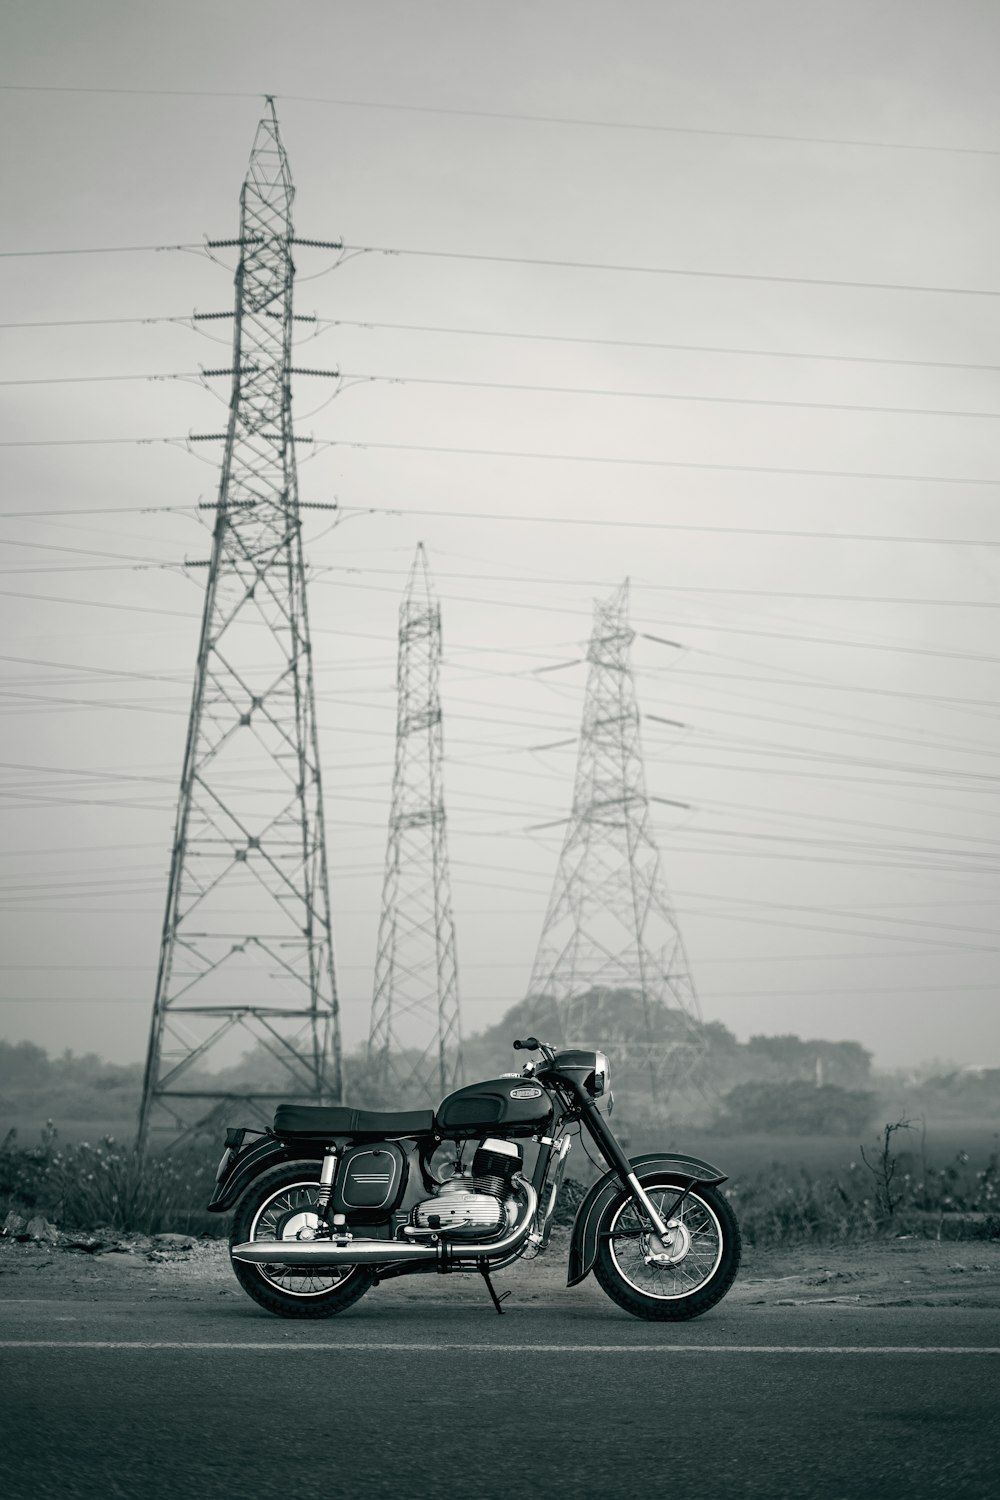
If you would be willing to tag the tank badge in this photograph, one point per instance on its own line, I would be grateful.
(531, 1093)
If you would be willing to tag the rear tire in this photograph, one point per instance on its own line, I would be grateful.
(699, 1279)
(279, 1203)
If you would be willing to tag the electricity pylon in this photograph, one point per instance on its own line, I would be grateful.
(415, 1042)
(246, 942)
(611, 961)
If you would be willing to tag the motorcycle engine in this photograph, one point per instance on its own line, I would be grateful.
(472, 1205)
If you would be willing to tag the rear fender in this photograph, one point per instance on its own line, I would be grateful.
(248, 1162)
(583, 1242)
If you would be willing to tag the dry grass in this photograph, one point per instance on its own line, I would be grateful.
(82, 1186)
(85, 1186)
(795, 1206)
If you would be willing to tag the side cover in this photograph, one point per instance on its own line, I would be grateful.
(583, 1244)
(370, 1182)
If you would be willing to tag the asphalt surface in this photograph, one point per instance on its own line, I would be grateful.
(195, 1395)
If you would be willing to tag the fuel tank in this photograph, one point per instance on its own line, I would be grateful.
(510, 1106)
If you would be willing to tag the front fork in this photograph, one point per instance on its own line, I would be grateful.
(616, 1159)
(664, 1227)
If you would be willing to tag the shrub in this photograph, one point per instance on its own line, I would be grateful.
(783, 1206)
(106, 1184)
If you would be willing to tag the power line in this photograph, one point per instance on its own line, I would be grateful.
(575, 121)
(120, 510)
(765, 814)
(86, 442)
(123, 563)
(943, 945)
(747, 769)
(94, 322)
(623, 268)
(945, 986)
(555, 338)
(325, 324)
(582, 458)
(551, 390)
(869, 733)
(678, 271)
(840, 721)
(617, 524)
(648, 463)
(145, 609)
(670, 588)
(96, 250)
(575, 390)
(915, 737)
(769, 748)
(518, 604)
(569, 609)
(845, 911)
(878, 846)
(497, 1000)
(854, 645)
(521, 518)
(80, 551)
(963, 704)
(49, 568)
(103, 379)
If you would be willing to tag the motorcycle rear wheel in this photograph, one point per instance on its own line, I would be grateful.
(696, 1281)
(279, 1204)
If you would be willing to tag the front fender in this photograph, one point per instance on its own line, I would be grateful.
(583, 1242)
(248, 1163)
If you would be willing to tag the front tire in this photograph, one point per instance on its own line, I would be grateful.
(279, 1204)
(707, 1247)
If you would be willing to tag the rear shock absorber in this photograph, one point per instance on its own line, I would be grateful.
(327, 1173)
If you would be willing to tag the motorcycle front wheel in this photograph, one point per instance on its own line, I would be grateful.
(681, 1278)
(278, 1206)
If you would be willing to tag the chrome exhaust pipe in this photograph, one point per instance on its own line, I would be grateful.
(313, 1253)
(327, 1253)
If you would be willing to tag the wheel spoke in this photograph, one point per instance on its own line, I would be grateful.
(629, 1241)
(285, 1215)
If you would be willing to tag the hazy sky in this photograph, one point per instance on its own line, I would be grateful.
(837, 875)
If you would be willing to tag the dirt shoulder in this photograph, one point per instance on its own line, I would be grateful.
(896, 1273)
(893, 1273)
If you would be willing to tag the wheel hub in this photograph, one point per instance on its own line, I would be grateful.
(299, 1226)
(669, 1249)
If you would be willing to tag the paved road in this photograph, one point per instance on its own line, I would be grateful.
(202, 1399)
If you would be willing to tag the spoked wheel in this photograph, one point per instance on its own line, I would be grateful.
(681, 1276)
(283, 1205)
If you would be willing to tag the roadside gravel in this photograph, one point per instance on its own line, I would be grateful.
(893, 1273)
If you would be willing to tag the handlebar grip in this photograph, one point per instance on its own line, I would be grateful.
(529, 1044)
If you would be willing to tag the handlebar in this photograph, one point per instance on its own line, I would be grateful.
(532, 1044)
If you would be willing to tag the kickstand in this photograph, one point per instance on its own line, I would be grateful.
(497, 1301)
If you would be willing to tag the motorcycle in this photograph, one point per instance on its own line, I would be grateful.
(334, 1200)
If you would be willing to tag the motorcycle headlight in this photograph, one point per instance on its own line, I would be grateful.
(602, 1074)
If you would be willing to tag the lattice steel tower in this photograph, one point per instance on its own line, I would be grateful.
(610, 939)
(415, 1042)
(246, 939)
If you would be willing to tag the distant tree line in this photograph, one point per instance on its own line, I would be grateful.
(769, 1084)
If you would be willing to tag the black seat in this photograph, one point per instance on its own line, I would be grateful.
(338, 1120)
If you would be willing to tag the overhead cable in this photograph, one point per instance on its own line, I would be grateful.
(522, 117)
